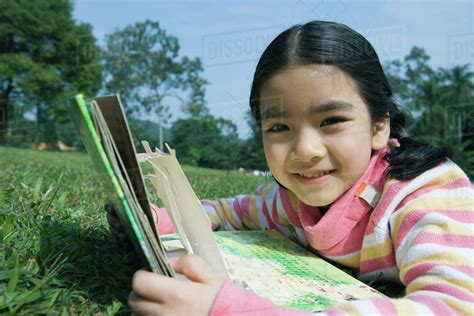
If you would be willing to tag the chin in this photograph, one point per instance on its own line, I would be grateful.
(317, 202)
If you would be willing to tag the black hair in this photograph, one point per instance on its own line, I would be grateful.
(331, 43)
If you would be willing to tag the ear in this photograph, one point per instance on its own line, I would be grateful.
(380, 133)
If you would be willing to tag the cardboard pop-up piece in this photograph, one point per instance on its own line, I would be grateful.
(183, 206)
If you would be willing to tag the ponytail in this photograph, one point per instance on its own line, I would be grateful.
(412, 157)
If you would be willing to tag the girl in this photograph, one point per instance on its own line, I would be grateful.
(349, 181)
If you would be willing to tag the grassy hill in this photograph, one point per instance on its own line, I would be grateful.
(58, 254)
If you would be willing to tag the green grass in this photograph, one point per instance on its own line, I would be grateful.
(57, 254)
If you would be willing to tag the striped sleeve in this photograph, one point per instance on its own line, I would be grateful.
(432, 234)
(236, 213)
(434, 242)
(253, 211)
(269, 207)
(243, 211)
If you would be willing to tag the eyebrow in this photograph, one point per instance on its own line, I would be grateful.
(271, 112)
(275, 111)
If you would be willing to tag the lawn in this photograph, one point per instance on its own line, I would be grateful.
(58, 256)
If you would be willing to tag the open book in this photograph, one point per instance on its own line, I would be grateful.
(262, 261)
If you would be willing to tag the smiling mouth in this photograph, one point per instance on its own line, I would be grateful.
(315, 175)
(316, 178)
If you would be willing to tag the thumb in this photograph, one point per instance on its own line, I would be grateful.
(196, 270)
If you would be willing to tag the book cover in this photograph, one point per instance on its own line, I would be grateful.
(101, 147)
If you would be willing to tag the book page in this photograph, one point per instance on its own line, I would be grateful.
(282, 271)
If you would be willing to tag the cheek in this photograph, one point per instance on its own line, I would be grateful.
(353, 152)
(274, 155)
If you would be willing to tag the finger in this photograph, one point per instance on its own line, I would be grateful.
(158, 288)
(196, 269)
(142, 306)
(122, 237)
(109, 207)
(114, 222)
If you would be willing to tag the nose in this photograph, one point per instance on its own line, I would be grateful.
(308, 146)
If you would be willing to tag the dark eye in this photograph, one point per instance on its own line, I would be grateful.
(276, 128)
(332, 121)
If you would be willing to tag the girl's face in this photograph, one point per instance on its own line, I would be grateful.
(317, 132)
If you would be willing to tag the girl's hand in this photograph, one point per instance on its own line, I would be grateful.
(116, 227)
(153, 294)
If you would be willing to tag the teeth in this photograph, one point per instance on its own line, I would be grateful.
(316, 175)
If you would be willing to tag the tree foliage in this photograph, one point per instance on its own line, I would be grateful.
(45, 56)
(207, 142)
(143, 65)
(253, 156)
(440, 103)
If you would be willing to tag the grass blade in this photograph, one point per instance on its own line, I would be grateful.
(37, 189)
(6, 226)
(14, 276)
(55, 192)
(36, 292)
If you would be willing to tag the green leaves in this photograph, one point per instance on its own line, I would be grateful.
(44, 56)
(440, 102)
(206, 142)
(142, 64)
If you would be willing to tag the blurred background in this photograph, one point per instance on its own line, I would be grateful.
(183, 69)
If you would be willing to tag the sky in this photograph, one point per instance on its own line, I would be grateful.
(229, 36)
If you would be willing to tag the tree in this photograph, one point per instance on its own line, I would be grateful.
(440, 102)
(253, 156)
(206, 142)
(142, 64)
(44, 57)
(461, 96)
